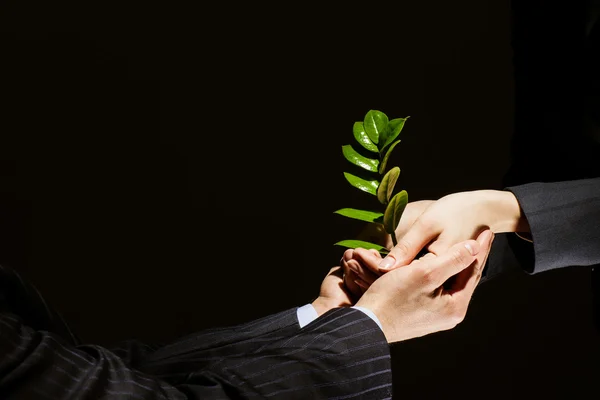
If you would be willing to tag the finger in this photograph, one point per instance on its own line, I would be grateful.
(362, 284)
(441, 245)
(436, 270)
(427, 257)
(375, 253)
(467, 280)
(448, 238)
(417, 237)
(350, 279)
(344, 262)
(363, 273)
(348, 254)
(369, 259)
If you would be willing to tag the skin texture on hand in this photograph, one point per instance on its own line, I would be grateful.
(333, 292)
(412, 301)
(455, 218)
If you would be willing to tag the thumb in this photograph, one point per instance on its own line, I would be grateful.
(417, 237)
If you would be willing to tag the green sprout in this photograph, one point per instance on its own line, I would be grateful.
(378, 135)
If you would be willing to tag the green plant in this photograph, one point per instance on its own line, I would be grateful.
(378, 135)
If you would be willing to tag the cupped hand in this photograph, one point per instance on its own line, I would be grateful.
(412, 301)
(360, 265)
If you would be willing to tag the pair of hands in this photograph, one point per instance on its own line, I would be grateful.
(414, 297)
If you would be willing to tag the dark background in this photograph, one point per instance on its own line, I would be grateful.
(168, 168)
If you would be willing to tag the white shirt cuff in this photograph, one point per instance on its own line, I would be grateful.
(307, 314)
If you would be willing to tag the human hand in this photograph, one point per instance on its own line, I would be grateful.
(375, 233)
(357, 278)
(455, 218)
(412, 301)
(333, 292)
(344, 284)
(360, 270)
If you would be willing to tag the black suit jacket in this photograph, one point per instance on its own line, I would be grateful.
(341, 355)
(564, 218)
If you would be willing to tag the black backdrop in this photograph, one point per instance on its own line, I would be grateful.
(168, 168)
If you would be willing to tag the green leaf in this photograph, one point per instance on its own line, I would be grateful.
(375, 123)
(395, 127)
(363, 215)
(387, 156)
(383, 135)
(361, 137)
(353, 244)
(355, 158)
(386, 187)
(394, 211)
(362, 184)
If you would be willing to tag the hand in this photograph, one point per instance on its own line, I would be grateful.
(358, 274)
(375, 233)
(455, 218)
(412, 301)
(333, 293)
(357, 277)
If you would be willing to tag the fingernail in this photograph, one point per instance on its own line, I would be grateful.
(387, 263)
(471, 249)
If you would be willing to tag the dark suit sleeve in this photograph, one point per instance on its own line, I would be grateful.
(564, 218)
(41, 365)
(341, 355)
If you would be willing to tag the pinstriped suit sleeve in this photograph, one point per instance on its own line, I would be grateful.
(40, 358)
(41, 365)
(341, 355)
(564, 218)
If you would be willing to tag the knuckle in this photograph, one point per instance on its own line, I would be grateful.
(425, 223)
(458, 257)
(403, 246)
(428, 275)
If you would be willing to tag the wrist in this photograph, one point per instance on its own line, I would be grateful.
(386, 326)
(322, 305)
(505, 213)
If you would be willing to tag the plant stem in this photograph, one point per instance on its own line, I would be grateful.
(394, 240)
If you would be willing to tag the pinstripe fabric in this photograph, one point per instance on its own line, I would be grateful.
(40, 365)
(564, 218)
(341, 355)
